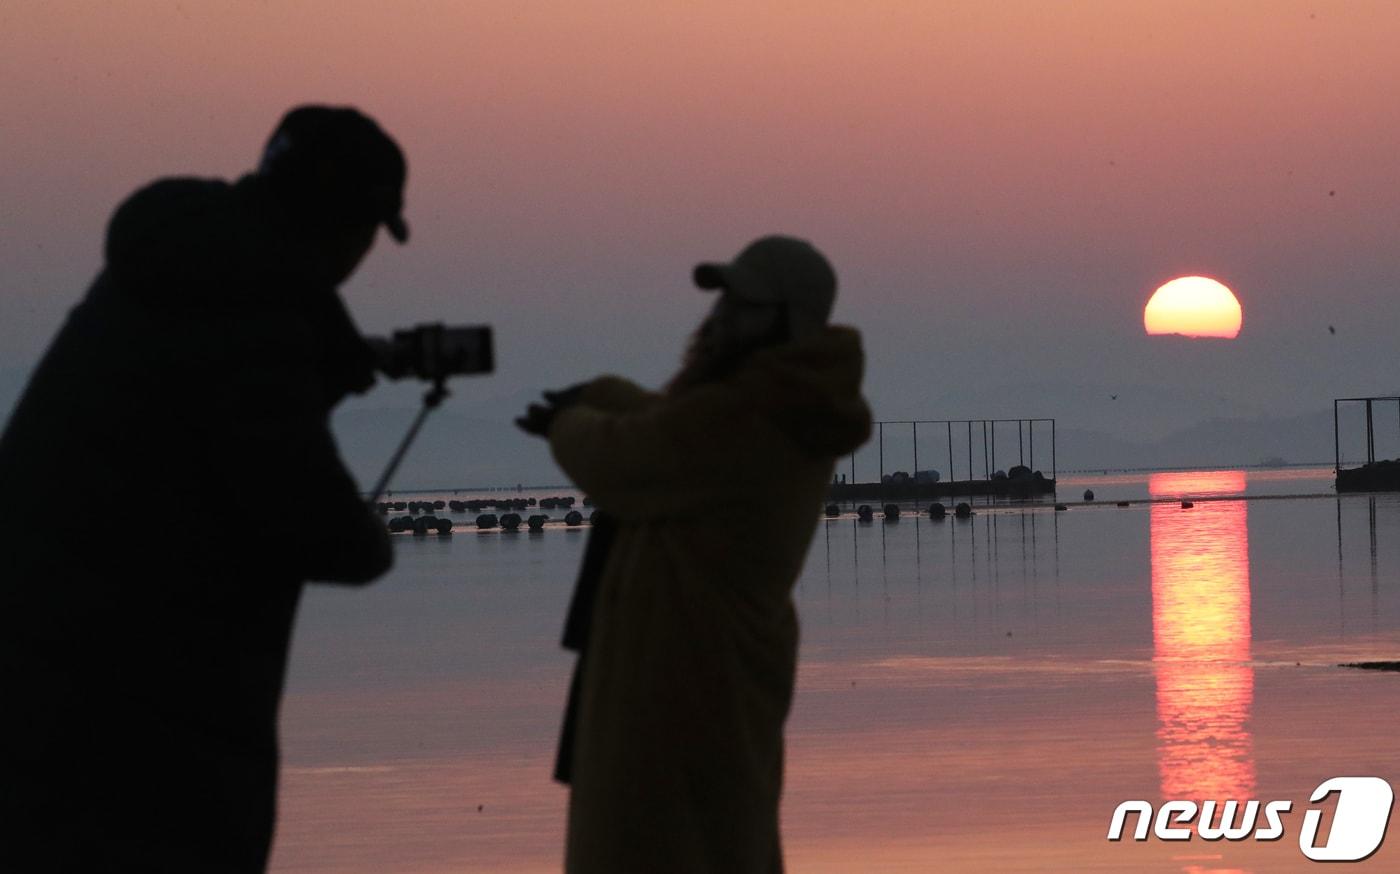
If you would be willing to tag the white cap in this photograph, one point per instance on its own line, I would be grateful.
(778, 270)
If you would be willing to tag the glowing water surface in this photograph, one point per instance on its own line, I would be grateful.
(972, 696)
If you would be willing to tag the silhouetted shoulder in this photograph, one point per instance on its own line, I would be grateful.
(181, 237)
(163, 208)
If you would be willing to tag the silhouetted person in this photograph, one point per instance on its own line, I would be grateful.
(716, 485)
(167, 483)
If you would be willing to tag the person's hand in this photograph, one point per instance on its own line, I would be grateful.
(565, 397)
(539, 418)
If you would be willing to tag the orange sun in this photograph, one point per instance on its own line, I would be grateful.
(1194, 306)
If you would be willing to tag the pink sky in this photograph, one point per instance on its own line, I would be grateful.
(1017, 178)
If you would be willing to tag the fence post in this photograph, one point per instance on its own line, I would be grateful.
(986, 470)
(882, 452)
(994, 444)
(949, 423)
(1370, 436)
(916, 448)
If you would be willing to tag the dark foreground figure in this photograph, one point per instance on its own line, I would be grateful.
(688, 670)
(149, 583)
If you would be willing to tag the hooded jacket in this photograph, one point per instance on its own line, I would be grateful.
(677, 763)
(167, 482)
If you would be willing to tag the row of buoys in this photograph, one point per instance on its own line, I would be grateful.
(511, 521)
(413, 508)
(938, 511)
(561, 503)
(420, 525)
(477, 505)
(892, 512)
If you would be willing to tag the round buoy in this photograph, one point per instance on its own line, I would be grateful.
(510, 521)
(1186, 505)
(486, 520)
(444, 526)
(891, 512)
(936, 510)
(536, 522)
(572, 518)
(963, 510)
(593, 517)
(833, 510)
(1088, 494)
(864, 513)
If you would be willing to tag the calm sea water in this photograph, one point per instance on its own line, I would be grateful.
(974, 695)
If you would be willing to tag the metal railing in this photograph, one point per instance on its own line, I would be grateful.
(1370, 424)
(969, 430)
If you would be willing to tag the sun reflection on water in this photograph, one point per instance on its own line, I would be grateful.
(1201, 638)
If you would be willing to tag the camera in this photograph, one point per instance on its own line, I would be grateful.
(435, 352)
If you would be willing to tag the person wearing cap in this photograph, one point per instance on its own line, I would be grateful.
(715, 483)
(170, 481)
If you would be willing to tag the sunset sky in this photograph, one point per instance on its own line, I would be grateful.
(1000, 186)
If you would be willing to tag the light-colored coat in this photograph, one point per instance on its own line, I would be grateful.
(692, 655)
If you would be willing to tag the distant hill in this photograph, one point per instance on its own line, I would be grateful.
(1130, 411)
(1215, 442)
(471, 441)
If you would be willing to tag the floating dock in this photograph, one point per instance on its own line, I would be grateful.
(1375, 475)
(918, 491)
(969, 447)
(1378, 476)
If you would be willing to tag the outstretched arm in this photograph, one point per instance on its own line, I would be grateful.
(274, 433)
(645, 456)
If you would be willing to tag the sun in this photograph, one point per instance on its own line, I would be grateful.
(1194, 306)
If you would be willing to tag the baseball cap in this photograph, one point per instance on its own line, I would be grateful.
(339, 161)
(778, 270)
